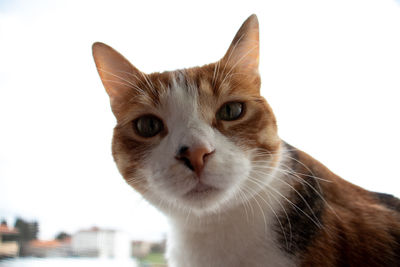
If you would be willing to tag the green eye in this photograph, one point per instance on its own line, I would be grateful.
(148, 125)
(230, 111)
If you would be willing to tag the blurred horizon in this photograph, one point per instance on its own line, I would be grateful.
(330, 71)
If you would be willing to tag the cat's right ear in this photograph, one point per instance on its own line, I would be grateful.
(118, 75)
(243, 52)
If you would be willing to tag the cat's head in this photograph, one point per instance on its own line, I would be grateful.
(195, 139)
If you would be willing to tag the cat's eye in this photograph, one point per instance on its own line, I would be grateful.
(230, 111)
(148, 125)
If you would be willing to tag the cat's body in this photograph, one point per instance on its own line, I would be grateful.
(201, 144)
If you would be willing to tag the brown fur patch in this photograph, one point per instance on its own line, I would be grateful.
(357, 229)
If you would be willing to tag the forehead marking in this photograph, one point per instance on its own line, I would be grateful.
(180, 101)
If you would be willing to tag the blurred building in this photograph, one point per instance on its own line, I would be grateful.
(8, 241)
(49, 248)
(96, 242)
(141, 249)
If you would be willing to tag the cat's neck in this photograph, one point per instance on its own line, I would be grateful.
(254, 211)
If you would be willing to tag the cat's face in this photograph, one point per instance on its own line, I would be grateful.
(192, 139)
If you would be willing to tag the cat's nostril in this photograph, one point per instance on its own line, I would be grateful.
(187, 163)
(183, 150)
(182, 155)
(208, 154)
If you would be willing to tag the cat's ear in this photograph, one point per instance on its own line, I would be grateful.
(244, 49)
(118, 75)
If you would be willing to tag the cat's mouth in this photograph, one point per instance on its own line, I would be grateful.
(200, 190)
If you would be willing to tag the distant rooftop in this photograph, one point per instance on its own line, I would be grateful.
(45, 243)
(4, 229)
(96, 229)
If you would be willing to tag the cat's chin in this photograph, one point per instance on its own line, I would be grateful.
(201, 190)
(201, 196)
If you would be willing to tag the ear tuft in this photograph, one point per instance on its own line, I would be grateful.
(244, 49)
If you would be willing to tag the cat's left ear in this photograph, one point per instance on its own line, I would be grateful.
(243, 52)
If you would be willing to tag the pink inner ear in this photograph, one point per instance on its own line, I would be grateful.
(118, 75)
(243, 52)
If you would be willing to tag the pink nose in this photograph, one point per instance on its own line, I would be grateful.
(194, 158)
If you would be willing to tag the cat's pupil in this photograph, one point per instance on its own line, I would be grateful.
(230, 111)
(148, 125)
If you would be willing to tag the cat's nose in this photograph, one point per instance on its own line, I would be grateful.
(194, 158)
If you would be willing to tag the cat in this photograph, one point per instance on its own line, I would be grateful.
(201, 144)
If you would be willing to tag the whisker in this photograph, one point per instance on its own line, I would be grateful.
(257, 181)
(287, 217)
(273, 211)
(243, 200)
(303, 181)
(299, 194)
(288, 170)
(262, 212)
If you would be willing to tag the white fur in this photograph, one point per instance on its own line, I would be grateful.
(231, 239)
(230, 227)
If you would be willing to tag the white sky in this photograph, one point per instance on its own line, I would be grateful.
(330, 70)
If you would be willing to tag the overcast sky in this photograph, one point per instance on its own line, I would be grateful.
(330, 70)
